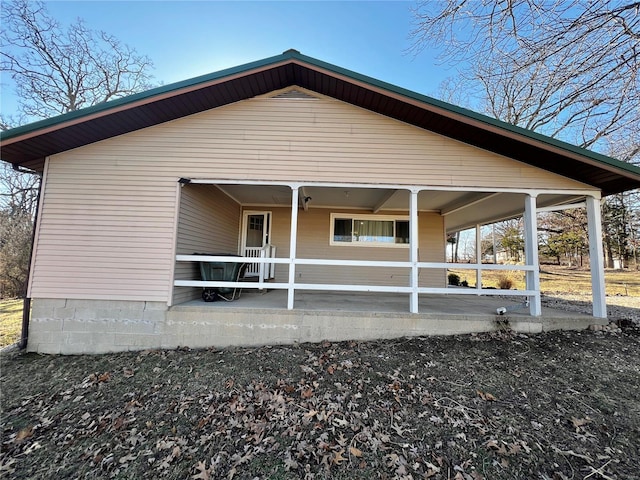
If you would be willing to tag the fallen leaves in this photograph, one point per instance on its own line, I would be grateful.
(24, 434)
(578, 423)
(306, 393)
(356, 452)
(337, 457)
(394, 409)
(7, 465)
(486, 396)
(508, 448)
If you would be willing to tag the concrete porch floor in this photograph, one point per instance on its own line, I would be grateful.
(444, 305)
(263, 319)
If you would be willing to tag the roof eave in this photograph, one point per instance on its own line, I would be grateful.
(132, 101)
(52, 130)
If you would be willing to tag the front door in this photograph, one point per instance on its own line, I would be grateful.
(256, 233)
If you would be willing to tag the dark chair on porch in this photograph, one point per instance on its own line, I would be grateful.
(221, 271)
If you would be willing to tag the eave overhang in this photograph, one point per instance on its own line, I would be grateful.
(30, 144)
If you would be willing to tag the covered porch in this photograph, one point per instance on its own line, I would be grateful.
(414, 279)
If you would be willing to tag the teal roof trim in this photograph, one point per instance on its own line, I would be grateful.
(162, 90)
(295, 55)
(473, 115)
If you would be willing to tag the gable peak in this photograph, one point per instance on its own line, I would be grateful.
(294, 93)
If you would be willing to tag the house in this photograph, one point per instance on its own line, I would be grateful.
(333, 188)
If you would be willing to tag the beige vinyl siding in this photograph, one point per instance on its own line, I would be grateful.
(432, 248)
(306, 140)
(103, 238)
(321, 140)
(208, 222)
(313, 242)
(109, 209)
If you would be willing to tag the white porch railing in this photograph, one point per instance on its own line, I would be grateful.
(252, 268)
(268, 263)
(258, 269)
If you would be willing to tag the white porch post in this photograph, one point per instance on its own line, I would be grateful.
(531, 254)
(479, 257)
(292, 246)
(413, 245)
(596, 257)
(261, 275)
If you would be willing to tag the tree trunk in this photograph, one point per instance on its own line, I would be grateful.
(608, 253)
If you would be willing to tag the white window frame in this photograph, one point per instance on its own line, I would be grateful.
(358, 216)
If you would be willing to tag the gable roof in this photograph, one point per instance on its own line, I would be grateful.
(30, 144)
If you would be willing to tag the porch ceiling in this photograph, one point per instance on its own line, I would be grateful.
(461, 209)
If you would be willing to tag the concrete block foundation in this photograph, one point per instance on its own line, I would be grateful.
(98, 326)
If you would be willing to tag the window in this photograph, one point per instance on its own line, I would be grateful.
(369, 230)
(256, 222)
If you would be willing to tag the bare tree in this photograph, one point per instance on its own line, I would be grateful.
(57, 70)
(563, 236)
(566, 68)
(511, 238)
(18, 191)
(15, 250)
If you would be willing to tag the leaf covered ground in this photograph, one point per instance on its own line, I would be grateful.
(560, 405)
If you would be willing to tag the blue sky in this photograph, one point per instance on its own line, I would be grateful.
(189, 38)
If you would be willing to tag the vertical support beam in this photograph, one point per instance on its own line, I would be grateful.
(174, 242)
(531, 254)
(272, 266)
(479, 257)
(413, 246)
(596, 258)
(261, 268)
(293, 242)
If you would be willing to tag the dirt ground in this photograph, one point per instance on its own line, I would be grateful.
(555, 406)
